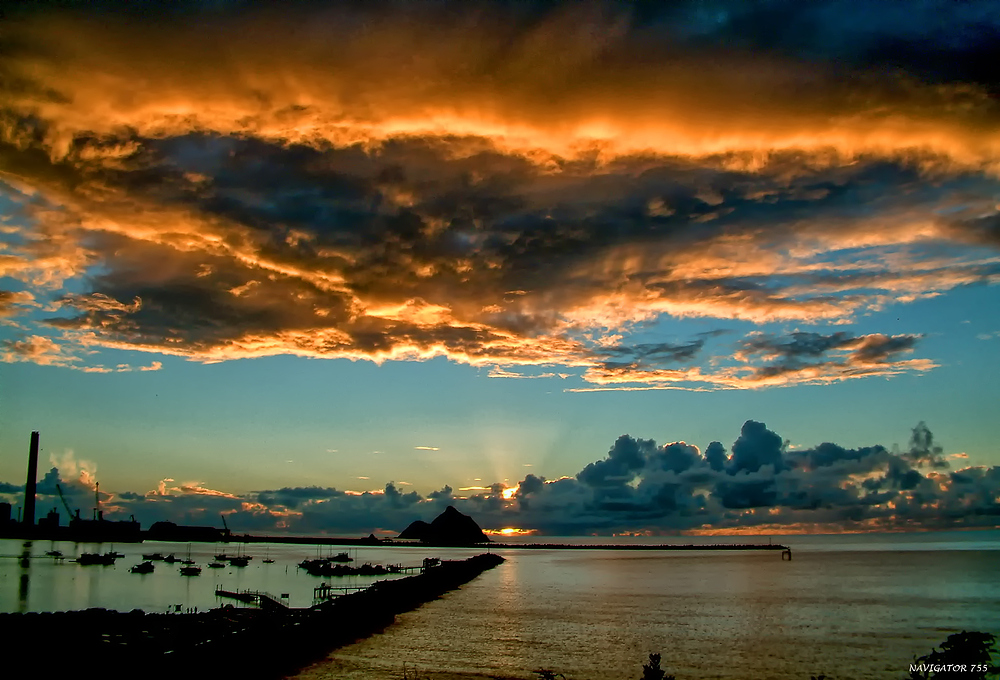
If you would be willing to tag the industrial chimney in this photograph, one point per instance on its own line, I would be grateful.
(29, 488)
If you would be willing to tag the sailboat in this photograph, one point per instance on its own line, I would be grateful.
(267, 557)
(240, 560)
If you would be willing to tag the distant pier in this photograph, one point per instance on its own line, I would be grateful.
(639, 546)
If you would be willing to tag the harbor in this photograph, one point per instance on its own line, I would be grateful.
(235, 639)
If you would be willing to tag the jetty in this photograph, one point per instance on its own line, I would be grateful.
(639, 546)
(271, 640)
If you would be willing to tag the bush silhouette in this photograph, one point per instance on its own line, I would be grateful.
(652, 670)
(963, 648)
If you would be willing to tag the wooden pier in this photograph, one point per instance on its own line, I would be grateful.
(262, 599)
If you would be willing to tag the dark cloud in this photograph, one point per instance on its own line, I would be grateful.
(644, 355)
(442, 494)
(764, 484)
(715, 456)
(757, 446)
(923, 451)
(838, 354)
(639, 485)
(293, 497)
(625, 459)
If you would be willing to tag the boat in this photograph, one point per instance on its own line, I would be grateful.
(152, 556)
(267, 557)
(95, 558)
(216, 565)
(190, 571)
(340, 557)
(114, 554)
(239, 560)
(144, 568)
(54, 553)
(171, 558)
(222, 557)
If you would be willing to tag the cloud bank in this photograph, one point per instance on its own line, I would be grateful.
(509, 185)
(760, 484)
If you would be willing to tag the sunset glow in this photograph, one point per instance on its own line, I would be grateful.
(576, 268)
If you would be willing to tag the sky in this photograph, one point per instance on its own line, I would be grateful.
(572, 267)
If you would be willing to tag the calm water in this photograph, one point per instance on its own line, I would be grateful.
(848, 606)
(43, 583)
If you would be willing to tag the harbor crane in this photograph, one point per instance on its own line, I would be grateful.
(62, 497)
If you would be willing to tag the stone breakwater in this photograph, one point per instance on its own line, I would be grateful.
(270, 642)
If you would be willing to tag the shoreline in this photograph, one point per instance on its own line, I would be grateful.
(373, 542)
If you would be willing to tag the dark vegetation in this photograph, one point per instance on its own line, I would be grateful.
(968, 649)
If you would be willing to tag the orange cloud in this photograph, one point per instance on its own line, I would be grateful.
(439, 186)
(297, 78)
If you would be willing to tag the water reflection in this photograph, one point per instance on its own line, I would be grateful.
(25, 577)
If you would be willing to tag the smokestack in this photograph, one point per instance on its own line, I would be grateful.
(29, 487)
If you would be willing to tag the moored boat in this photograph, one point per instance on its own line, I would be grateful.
(190, 571)
(95, 558)
(143, 568)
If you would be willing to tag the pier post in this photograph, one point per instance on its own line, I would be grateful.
(786, 551)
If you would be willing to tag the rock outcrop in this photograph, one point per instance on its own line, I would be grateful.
(450, 528)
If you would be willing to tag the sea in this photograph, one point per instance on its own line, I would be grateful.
(845, 606)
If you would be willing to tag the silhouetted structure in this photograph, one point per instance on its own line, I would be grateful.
(168, 531)
(4, 514)
(28, 519)
(450, 528)
(50, 521)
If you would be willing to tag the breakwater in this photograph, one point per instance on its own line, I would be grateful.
(269, 642)
(638, 546)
